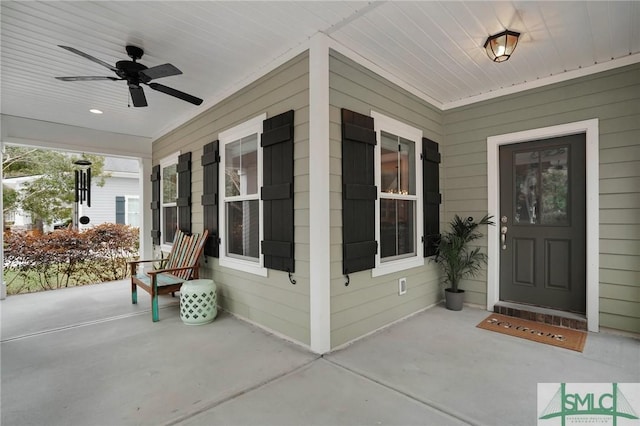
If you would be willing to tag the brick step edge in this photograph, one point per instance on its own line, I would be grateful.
(557, 320)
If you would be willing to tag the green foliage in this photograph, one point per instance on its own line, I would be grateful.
(454, 255)
(50, 195)
(9, 199)
(63, 258)
(555, 186)
(23, 161)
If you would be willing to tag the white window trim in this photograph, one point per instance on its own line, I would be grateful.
(247, 128)
(165, 162)
(390, 125)
(126, 208)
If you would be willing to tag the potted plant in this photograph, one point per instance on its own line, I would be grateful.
(457, 259)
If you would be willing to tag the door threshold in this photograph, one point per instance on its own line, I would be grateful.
(542, 315)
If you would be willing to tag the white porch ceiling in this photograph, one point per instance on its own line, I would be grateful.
(432, 48)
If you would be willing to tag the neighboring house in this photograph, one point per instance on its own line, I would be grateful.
(344, 199)
(115, 202)
(17, 218)
(118, 201)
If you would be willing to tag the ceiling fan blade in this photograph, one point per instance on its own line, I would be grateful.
(89, 57)
(138, 97)
(160, 71)
(87, 78)
(173, 92)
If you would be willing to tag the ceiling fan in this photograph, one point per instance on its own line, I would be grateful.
(135, 74)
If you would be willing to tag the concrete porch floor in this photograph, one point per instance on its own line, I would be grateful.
(86, 356)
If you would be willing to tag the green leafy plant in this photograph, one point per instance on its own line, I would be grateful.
(49, 195)
(454, 255)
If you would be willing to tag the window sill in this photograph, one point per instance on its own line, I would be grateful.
(397, 266)
(244, 266)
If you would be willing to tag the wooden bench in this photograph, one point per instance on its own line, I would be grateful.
(183, 264)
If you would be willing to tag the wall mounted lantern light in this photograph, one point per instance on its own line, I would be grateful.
(500, 46)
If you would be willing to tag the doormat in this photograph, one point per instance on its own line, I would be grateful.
(538, 332)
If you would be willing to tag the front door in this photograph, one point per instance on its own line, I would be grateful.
(543, 223)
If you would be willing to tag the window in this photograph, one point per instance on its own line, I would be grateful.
(132, 210)
(168, 197)
(128, 210)
(120, 210)
(241, 207)
(10, 216)
(399, 206)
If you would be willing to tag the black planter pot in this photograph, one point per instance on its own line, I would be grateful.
(453, 299)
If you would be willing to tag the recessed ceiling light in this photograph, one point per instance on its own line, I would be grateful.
(95, 111)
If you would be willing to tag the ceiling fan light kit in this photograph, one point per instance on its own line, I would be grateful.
(135, 74)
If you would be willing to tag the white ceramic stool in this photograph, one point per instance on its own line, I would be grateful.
(198, 302)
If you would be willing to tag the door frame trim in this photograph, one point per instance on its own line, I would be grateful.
(591, 129)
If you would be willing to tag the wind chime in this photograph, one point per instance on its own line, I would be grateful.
(82, 190)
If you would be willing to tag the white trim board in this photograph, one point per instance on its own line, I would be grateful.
(64, 137)
(517, 88)
(288, 55)
(3, 286)
(590, 127)
(319, 199)
(546, 81)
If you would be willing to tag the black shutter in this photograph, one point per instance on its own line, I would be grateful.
(120, 213)
(431, 195)
(184, 192)
(210, 164)
(359, 193)
(155, 204)
(277, 192)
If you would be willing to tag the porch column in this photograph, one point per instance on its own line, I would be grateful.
(319, 240)
(3, 286)
(146, 245)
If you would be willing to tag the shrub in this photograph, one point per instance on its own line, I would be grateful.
(63, 258)
(112, 246)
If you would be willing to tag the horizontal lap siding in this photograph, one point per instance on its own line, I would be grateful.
(103, 199)
(370, 303)
(272, 301)
(614, 98)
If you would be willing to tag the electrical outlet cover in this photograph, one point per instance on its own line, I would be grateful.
(402, 286)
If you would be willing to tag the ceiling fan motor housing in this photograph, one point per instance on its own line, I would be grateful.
(134, 52)
(130, 71)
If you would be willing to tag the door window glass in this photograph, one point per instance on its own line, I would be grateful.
(554, 172)
(541, 186)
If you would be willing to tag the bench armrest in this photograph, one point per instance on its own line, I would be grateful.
(169, 270)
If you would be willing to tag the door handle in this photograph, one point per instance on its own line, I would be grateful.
(503, 237)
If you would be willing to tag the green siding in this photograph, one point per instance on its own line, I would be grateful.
(272, 302)
(370, 303)
(613, 97)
